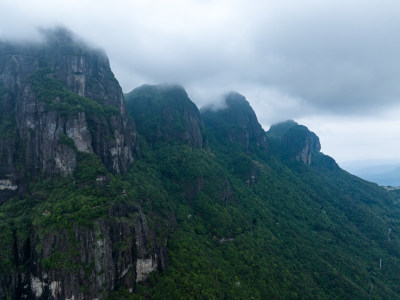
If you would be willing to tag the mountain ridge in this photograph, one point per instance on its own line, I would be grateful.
(212, 206)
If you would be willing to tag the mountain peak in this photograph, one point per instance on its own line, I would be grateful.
(173, 93)
(278, 130)
(235, 99)
(62, 98)
(297, 141)
(165, 112)
(237, 121)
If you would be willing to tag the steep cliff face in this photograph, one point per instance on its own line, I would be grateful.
(237, 122)
(12, 159)
(63, 119)
(295, 141)
(84, 263)
(84, 70)
(165, 113)
(61, 97)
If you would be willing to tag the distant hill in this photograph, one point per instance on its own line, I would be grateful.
(380, 172)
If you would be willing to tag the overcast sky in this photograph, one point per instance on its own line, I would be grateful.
(331, 65)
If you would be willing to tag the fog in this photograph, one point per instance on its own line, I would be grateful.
(331, 65)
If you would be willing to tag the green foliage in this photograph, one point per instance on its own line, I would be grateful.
(123, 293)
(66, 140)
(161, 112)
(59, 261)
(6, 244)
(59, 98)
(241, 223)
(89, 167)
(293, 231)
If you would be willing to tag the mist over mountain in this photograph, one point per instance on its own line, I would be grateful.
(105, 195)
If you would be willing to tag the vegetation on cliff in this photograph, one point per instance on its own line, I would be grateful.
(211, 207)
(62, 100)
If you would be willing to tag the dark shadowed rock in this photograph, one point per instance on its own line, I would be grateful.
(294, 140)
(237, 122)
(118, 252)
(165, 113)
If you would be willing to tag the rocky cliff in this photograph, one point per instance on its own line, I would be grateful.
(58, 97)
(83, 263)
(63, 119)
(294, 141)
(165, 113)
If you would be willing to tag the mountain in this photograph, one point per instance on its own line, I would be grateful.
(56, 97)
(150, 198)
(165, 113)
(237, 122)
(65, 135)
(294, 141)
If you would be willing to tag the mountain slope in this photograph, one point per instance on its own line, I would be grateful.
(211, 207)
(292, 228)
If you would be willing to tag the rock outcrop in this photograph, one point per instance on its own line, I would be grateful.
(295, 141)
(54, 92)
(118, 252)
(237, 122)
(165, 113)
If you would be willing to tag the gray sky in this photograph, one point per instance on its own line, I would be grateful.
(332, 65)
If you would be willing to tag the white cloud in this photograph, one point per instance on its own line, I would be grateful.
(291, 59)
(350, 138)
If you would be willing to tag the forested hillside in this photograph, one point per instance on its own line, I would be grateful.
(270, 218)
(143, 196)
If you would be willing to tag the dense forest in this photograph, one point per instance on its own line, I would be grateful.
(145, 197)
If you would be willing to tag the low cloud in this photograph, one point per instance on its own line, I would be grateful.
(290, 59)
(352, 138)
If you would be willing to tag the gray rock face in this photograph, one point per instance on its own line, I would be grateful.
(310, 145)
(118, 252)
(35, 146)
